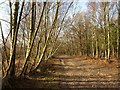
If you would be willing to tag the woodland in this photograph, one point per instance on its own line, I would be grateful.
(56, 45)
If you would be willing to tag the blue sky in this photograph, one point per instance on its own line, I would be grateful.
(4, 13)
(81, 6)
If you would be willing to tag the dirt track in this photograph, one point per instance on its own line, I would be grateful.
(82, 72)
(75, 73)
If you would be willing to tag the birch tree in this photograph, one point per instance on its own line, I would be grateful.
(15, 18)
(32, 38)
(118, 32)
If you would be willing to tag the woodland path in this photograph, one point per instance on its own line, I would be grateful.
(74, 73)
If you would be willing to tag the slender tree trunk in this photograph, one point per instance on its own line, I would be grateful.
(113, 51)
(47, 39)
(108, 57)
(108, 37)
(31, 36)
(5, 50)
(96, 48)
(105, 35)
(14, 32)
(92, 44)
(119, 30)
(32, 42)
(119, 42)
(80, 37)
(96, 42)
(11, 70)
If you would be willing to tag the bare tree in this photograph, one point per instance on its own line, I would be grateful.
(14, 32)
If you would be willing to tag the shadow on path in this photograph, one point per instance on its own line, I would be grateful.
(73, 73)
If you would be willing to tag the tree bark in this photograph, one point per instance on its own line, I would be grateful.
(14, 32)
(3, 39)
(32, 42)
(11, 70)
(119, 29)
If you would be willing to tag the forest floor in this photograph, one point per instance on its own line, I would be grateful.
(66, 73)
